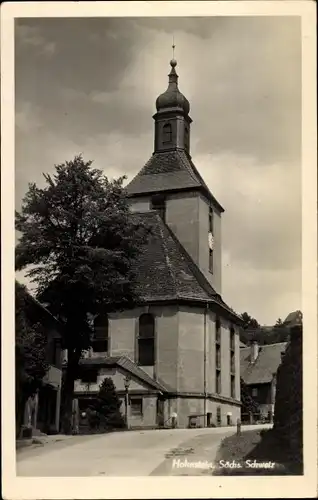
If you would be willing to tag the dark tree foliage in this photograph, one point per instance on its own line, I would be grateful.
(107, 407)
(249, 322)
(80, 239)
(30, 353)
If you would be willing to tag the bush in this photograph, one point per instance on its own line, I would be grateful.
(106, 412)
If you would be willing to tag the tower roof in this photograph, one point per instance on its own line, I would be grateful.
(169, 171)
(172, 97)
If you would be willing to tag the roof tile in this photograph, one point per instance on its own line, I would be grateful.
(168, 171)
(266, 364)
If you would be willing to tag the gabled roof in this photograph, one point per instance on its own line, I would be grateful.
(266, 364)
(169, 171)
(165, 270)
(293, 319)
(128, 365)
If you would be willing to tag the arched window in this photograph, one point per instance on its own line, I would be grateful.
(146, 340)
(167, 133)
(100, 341)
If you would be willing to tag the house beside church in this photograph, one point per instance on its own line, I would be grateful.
(178, 352)
(42, 410)
(259, 366)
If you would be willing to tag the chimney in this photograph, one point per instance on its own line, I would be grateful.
(254, 351)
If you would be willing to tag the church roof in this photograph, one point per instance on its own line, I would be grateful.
(172, 97)
(169, 171)
(165, 271)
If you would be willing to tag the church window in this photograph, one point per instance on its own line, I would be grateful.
(218, 416)
(158, 202)
(146, 340)
(100, 342)
(211, 220)
(136, 407)
(211, 260)
(167, 133)
(232, 386)
(186, 138)
(232, 362)
(218, 356)
(232, 336)
(218, 331)
(218, 382)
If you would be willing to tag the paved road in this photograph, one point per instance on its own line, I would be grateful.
(134, 453)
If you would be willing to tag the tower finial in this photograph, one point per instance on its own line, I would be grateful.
(173, 62)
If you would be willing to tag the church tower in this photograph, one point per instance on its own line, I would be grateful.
(171, 184)
(172, 120)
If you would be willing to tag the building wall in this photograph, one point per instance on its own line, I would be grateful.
(237, 364)
(191, 350)
(187, 214)
(139, 204)
(215, 277)
(167, 322)
(225, 359)
(195, 406)
(182, 216)
(123, 331)
(149, 415)
(210, 360)
(115, 374)
(179, 355)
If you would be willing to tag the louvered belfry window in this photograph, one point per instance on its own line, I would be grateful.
(146, 340)
(100, 341)
(158, 203)
(167, 133)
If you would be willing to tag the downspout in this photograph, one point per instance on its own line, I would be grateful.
(204, 363)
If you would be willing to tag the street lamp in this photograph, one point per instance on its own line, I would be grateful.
(127, 384)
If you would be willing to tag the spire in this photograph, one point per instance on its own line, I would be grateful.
(172, 97)
(173, 77)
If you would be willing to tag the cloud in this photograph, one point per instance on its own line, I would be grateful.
(31, 36)
(27, 117)
(262, 219)
(242, 77)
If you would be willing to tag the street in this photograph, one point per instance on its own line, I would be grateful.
(133, 453)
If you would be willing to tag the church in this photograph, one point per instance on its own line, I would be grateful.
(178, 353)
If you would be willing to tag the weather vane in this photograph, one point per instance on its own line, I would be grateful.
(173, 46)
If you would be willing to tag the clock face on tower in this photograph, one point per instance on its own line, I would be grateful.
(211, 241)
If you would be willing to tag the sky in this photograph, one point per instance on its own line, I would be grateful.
(89, 85)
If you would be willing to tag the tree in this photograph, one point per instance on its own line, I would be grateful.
(30, 354)
(249, 322)
(278, 323)
(81, 240)
(108, 406)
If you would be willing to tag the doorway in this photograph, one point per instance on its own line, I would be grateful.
(209, 419)
(160, 412)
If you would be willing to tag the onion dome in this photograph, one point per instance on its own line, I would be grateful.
(172, 97)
